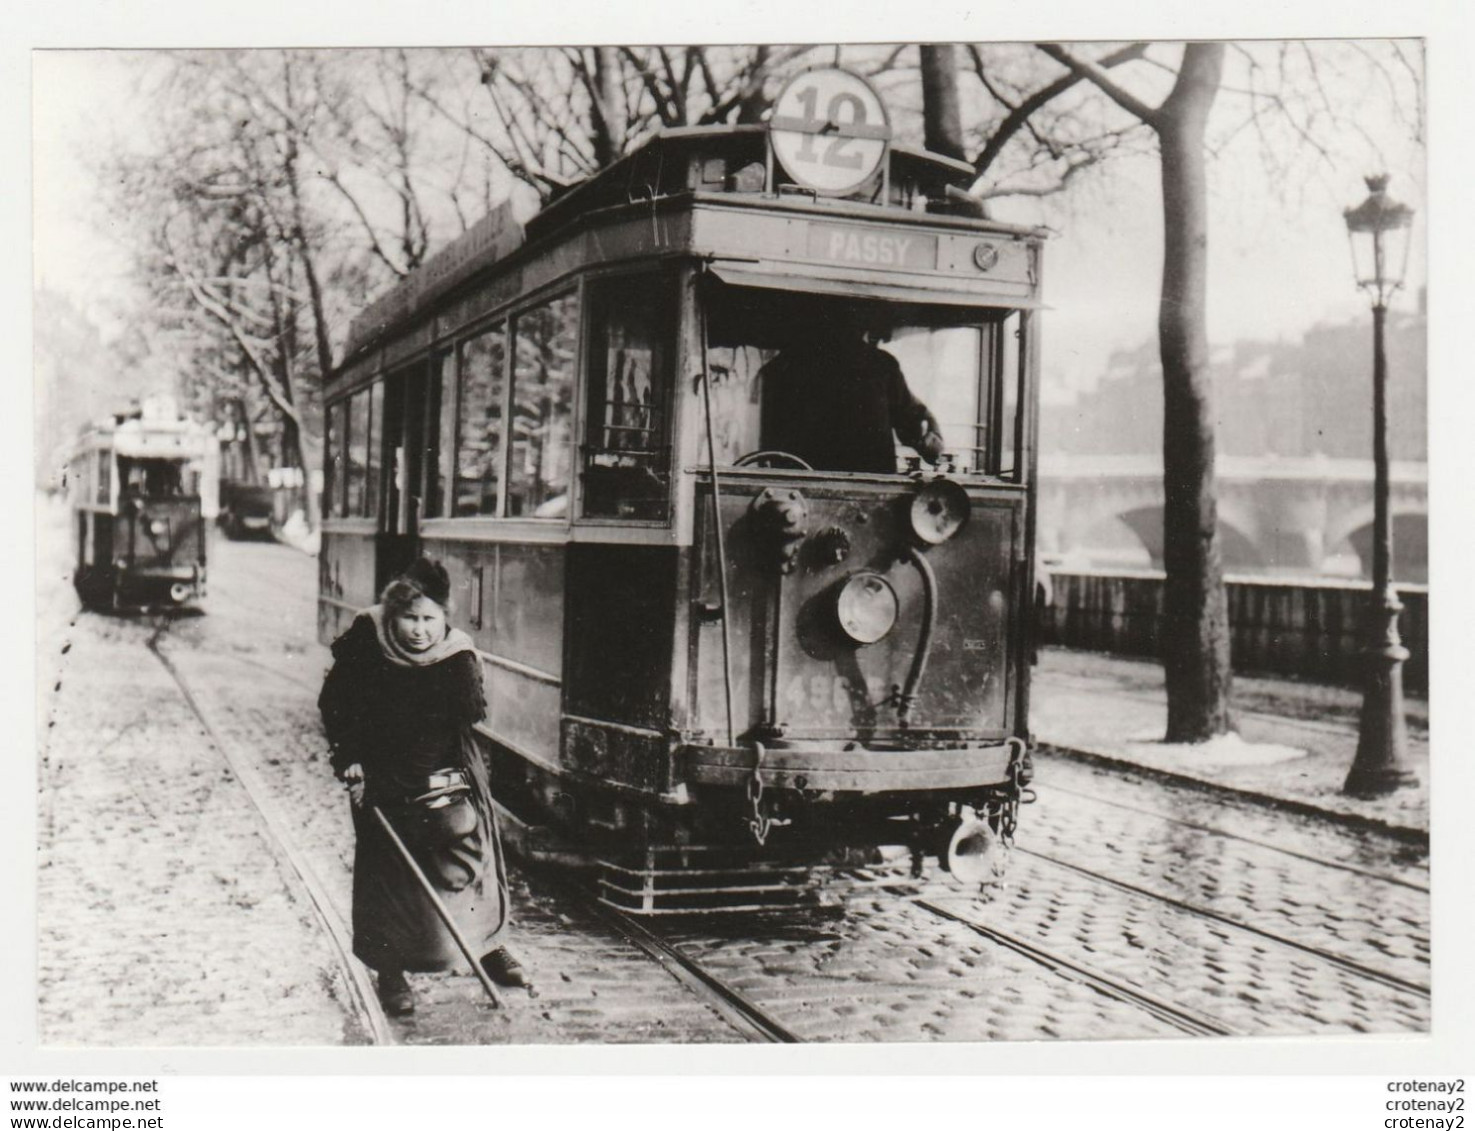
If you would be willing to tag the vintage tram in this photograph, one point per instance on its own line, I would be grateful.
(688, 637)
(143, 487)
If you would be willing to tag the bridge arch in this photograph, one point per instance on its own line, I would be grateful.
(1410, 546)
(1356, 517)
(1238, 549)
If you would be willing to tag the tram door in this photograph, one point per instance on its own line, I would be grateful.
(410, 442)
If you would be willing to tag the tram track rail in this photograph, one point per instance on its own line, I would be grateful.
(733, 1006)
(362, 1002)
(1348, 965)
(1229, 834)
(1189, 1021)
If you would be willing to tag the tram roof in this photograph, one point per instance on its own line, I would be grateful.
(718, 159)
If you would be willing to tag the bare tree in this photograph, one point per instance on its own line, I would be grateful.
(1041, 128)
(1195, 626)
(555, 116)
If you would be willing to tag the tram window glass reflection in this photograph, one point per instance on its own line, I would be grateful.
(358, 451)
(545, 355)
(479, 433)
(627, 446)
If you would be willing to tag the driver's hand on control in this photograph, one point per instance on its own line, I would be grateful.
(930, 446)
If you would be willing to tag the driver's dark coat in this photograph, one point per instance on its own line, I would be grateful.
(834, 403)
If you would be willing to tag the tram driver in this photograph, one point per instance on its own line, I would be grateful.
(833, 398)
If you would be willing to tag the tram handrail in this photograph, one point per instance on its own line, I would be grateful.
(717, 523)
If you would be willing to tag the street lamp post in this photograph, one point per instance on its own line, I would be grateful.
(1379, 229)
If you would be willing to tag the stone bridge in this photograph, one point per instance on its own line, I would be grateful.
(1303, 515)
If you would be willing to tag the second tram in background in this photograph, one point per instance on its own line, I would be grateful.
(702, 673)
(143, 490)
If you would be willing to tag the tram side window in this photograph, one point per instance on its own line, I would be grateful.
(545, 358)
(440, 433)
(337, 459)
(358, 451)
(479, 431)
(1010, 375)
(104, 478)
(627, 462)
(372, 454)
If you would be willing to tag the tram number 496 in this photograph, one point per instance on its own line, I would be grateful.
(824, 694)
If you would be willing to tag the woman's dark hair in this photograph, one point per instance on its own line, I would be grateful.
(425, 578)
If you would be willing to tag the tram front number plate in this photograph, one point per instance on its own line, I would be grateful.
(866, 247)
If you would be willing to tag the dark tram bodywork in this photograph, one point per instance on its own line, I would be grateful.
(674, 655)
(143, 489)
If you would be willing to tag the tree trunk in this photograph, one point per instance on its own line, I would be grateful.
(605, 110)
(942, 121)
(1195, 626)
(752, 103)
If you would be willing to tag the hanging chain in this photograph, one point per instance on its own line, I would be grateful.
(1018, 793)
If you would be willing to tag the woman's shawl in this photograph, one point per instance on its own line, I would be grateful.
(452, 642)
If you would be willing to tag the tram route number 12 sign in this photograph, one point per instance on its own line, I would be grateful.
(829, 130)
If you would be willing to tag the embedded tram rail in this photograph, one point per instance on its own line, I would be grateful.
(1217, 830)
(1187, 1020)
(1359, 969)
(362, 1004)
(734, 1007)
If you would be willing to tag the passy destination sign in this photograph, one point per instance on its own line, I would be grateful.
(865, 247)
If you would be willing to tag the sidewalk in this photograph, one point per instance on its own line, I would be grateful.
(1295, 745)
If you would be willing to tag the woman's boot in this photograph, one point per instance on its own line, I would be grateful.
(394, 993)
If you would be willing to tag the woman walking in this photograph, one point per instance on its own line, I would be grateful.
(398, 706)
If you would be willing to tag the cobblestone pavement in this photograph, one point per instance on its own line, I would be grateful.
(164, 915)
(240, 959)
(1379, 919)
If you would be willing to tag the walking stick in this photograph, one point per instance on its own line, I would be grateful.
(440, 908)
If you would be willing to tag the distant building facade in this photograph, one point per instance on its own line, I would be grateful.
(1293, 425)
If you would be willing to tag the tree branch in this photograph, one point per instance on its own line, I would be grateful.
(1126, 100)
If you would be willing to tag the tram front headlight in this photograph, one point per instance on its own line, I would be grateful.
(866, 607)
(158, 526)
(938, 511)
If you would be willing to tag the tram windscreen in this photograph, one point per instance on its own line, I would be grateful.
(157, 478)
(952, 361)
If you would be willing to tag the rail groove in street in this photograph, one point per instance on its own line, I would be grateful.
(363, 1002)
(1187, 1020)
(1229, 834)
(1414, 837)
(1349, 965)
(732, 1005)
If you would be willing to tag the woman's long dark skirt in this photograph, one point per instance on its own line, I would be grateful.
(395, 926)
